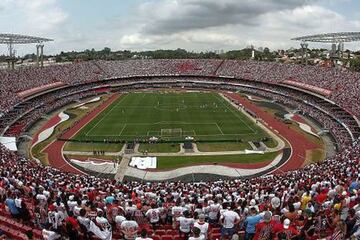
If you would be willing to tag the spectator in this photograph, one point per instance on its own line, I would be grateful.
(197, 234)
(186, 222)
(49, 234)
(153, 215)
(202, 225)
(129, 228)
(10, 203)
(250, 223)
(339, 232)
(229, 220)
(287, 231)
(265, 230)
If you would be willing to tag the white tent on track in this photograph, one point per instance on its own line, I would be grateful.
(143, 162)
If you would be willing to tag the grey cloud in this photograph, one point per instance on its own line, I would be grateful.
(198, 14)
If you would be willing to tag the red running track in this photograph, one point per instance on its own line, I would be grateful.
(298, 142)
(54, 149)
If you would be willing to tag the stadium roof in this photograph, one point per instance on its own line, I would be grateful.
(21, 39)
(331, 37)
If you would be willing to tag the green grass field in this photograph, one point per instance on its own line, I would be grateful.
(218, 147)
(171, 116)
(89, 147)
(159, 148)
(164, 163)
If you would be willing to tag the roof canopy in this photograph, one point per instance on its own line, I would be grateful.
(21, 39)
(331, 37)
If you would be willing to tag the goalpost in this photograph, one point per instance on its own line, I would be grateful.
(171, 132)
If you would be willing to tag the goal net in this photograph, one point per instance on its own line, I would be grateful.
(171, 132)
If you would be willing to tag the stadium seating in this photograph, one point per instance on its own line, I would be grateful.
(329, 189)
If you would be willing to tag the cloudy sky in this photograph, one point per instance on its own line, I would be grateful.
(169, 24)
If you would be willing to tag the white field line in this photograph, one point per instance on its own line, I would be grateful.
(87, 133)
(222, 101)
(198, 135)
(219, 129)
(167, 122)
(122, 129)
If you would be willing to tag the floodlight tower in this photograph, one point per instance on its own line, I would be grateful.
(336, 39)
(11, 59)
(11, 39)
(304, 46)
(40, 55)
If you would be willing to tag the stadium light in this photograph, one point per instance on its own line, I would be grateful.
(336, 39)
(13, 39)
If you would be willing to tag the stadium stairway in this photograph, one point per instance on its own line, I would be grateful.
(215, 73)
(119, 176)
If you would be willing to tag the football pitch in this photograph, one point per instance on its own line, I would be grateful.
(171, 116)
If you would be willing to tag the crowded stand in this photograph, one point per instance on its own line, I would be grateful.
(48, 106)
(80, 74)
(316, 202)
(160, 67)
(14, 82)
(343, 84)
(326, 121)
(30, 111)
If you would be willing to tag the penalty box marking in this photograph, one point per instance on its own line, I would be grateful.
(158, 132)
(198, 135)
(168, 123)
(158, 123)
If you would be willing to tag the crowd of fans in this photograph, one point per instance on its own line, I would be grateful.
(296, 101)
(13, 82)
(199, 67)
(38, 111)
(318, 201)
(344, 85)
(32, 110)
(90, 72)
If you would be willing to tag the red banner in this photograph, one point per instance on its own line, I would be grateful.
(32, 91)
(321, 91)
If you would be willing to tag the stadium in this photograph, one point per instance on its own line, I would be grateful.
(97, 145)
(218, 104)
(194, 118)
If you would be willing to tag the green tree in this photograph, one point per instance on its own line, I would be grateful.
(106, 50)
(355, 64)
